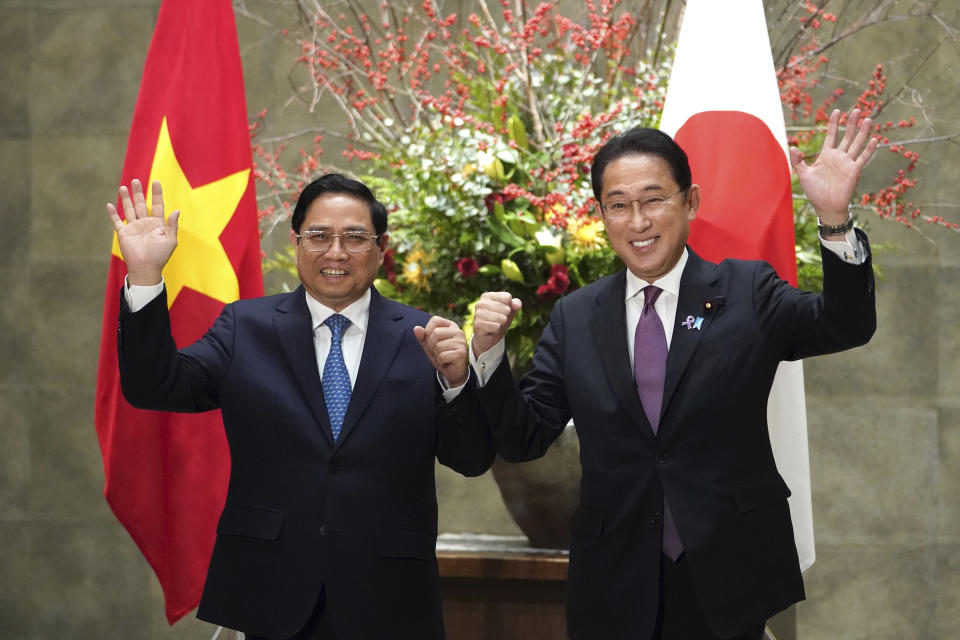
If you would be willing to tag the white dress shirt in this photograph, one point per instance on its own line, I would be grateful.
(351, 343)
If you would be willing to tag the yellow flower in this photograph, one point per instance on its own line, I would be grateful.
(414, 269)
(587, 233)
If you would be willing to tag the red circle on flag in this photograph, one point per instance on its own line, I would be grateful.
(746, 205)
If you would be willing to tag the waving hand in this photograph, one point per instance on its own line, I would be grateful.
(146, 240)
(830, 181)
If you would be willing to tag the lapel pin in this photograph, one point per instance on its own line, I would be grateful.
(714, 304)
(693, 323)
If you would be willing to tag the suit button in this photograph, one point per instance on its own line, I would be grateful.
(655, 519)
(661, 458)
(334, 467)
(323, 530)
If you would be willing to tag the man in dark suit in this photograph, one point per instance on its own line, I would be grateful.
(683, 530)
(335, 402)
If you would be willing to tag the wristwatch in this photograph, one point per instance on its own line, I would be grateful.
(837, 229)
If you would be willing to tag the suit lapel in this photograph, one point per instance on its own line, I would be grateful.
(292, 324)
(609, 328)
(383, 339)
(697, 285)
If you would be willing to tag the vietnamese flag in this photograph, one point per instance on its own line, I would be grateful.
(166, 474)
(723, 107)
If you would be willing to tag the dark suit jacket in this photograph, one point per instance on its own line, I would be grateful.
(711, 456)
(358, 515)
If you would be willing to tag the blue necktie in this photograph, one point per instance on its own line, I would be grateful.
(649, 370)
(336, 379)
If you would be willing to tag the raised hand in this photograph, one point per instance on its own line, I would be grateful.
(492, 316)
(146, 240)
(830, 181)
(446, 346)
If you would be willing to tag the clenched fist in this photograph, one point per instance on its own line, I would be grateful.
(491, 318)
(446, 346)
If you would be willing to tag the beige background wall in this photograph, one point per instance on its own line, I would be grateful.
(884, 420)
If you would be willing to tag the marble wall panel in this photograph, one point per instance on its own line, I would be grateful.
(16, 328)
(947, 335)
(17, 406)
(69, 174)
(948, 478)
(869, 592)
(15, 614)
(66, 317)
(86, 68)
(87, 581)
(947, 591)
(901, 358)
(874, 473)
(65, 459)
(15, 205)
(14, 71)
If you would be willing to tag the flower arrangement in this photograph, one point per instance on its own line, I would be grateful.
(463, 127)
(460, 126)
(800, 77)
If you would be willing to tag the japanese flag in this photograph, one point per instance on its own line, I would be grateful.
(723, 107)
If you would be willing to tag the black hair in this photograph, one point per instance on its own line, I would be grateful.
(639, 141)
(336, 183)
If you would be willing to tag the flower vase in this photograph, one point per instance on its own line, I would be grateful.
(542, 494)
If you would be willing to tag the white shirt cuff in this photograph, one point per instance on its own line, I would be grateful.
(450, 393)
(138, 296)
(487, 362)
(849, 249)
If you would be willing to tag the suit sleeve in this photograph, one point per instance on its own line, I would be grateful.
(155, 375)
(525, 419)
(806, 324)
(464, 441)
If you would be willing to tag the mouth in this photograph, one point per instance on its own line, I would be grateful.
(643, 244)
(333, 273)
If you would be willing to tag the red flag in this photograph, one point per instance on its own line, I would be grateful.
(723, 107)
(166, 474)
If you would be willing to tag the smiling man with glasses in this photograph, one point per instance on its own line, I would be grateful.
(336, 402)
(683, 529)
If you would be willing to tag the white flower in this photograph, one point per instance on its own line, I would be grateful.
(546, 238)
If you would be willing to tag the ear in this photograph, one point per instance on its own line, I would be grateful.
(382, 242)
(693, 201)
(293, 237)
(599, 209)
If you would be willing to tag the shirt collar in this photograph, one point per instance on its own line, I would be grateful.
(357, 312)
(670, 282)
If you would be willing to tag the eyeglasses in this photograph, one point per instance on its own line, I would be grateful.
(621, 208)
(320, 240)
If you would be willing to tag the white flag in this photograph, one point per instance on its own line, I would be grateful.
(723, 107)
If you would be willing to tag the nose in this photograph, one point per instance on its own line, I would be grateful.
(638, 218)
(336, 249)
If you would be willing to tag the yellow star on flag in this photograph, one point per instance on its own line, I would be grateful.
(199, 262)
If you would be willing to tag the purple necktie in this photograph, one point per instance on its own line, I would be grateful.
(649, 371)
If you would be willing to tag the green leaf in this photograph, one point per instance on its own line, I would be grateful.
(385, 287)
(511, 271)
(554, 255)
(526, 216)
(500, 230)
(518, 133)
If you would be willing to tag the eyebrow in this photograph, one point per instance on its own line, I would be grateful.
(320, 227)
(646, 189)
